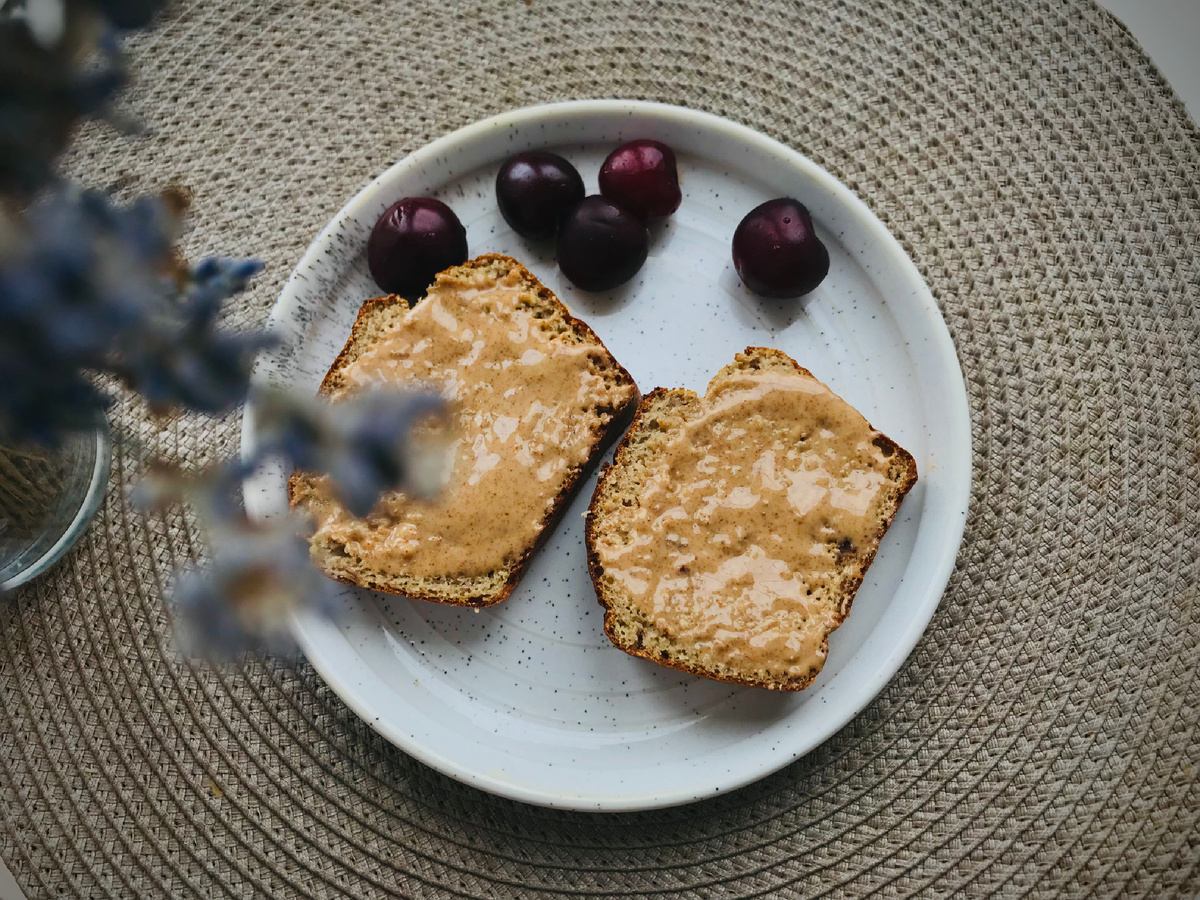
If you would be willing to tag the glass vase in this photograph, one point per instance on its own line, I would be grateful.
(47, 500)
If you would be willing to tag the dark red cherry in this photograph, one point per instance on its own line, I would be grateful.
(776, 251)
(414, 239)
(642, 177)
(535, 190)
(601, 245)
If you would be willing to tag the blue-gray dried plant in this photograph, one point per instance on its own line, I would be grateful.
(366, 445)
(90, 287)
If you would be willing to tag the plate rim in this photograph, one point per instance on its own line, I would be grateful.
(957, 490)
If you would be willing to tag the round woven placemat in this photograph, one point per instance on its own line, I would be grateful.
(1042, 740)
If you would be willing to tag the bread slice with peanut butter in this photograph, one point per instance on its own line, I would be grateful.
(731, 532)
(537, 398)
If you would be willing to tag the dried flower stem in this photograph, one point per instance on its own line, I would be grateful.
(30, 483)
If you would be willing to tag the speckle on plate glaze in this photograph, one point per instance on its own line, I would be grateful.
(528, 699)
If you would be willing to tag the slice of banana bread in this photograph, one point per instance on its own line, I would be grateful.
(537, 397)
(731, 532)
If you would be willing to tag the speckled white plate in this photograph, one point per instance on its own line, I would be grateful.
(529, 699)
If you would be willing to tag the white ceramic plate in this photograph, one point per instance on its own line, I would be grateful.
(529, 699)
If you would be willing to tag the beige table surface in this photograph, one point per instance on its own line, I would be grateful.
(1169, 31)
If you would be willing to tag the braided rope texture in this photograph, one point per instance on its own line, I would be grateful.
(1042, 740)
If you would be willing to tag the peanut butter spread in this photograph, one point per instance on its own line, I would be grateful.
(752, 517)
(531, 398)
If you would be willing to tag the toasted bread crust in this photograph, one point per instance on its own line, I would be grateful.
(595, 567)
(333, 378)
(620, 417)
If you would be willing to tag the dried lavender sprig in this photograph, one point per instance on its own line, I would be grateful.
(76, 272)
(88, 286)
(259, 573)
(52, 78)
(180, 357)
(364, 444)
(129, 14)
(255, 576)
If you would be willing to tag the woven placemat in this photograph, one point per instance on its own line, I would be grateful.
(1041, 741)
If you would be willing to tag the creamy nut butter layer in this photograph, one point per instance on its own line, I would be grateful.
(733, 530)
(534, 392)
